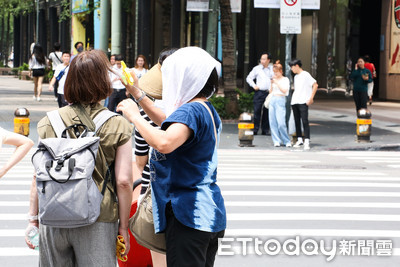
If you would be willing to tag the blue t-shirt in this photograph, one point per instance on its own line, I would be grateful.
(187, 176)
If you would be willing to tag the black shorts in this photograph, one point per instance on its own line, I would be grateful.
(37, 72)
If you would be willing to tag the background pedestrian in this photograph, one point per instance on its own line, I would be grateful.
(360, 77)
(277, 107)
(262, 73)
(37, 66)
(55, 60)
(305, 87)
(371, 67)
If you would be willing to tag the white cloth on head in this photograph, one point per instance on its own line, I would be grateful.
(184, 74)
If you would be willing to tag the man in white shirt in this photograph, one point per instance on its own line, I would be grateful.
(55, 60)
(119, 91)
(305, 87)
(262, 73)
(60, 75)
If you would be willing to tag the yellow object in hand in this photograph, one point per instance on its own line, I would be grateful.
(127, 76)
(121, 248)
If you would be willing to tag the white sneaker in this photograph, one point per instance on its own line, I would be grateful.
(38, 99)
(288, 145)
(306, 146)
(55, 99)
(277, 145)
(34, 97)
(298, 144)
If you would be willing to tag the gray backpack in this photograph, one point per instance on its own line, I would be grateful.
(68, 195)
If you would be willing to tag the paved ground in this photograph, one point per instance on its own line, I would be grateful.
(332, 119)
(270, 192)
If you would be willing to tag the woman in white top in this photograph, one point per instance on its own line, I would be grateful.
(22, 143)
(37, 66)
(141, 66)
(277, 107)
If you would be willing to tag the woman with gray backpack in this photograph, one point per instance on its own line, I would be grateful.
(84, 156)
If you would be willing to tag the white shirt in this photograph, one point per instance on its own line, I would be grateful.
(33, 64)
(117, 84)
(303, 83)
(262, 75)
(140, 73)
(284, 83)
(60, 89)
(54, 60)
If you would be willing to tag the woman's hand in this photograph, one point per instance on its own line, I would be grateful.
(133, 89)
(129, 108)
(27, 241)
(124, 232)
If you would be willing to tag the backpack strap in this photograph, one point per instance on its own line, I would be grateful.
(56, 122)
(102, 117)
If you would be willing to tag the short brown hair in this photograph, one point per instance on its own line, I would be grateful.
(87, 80)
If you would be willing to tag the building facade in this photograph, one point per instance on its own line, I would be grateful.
(332, 37)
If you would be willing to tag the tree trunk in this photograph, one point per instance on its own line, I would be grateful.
(2, 40)
(228, 59)
(166, 26)
(7, 46)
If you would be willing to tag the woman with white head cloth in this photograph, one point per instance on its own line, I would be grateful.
(187, 203)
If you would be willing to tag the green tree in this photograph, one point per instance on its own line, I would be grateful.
(9, 9)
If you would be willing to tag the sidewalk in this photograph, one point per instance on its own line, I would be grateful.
(332, 118)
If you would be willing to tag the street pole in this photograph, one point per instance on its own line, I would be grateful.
(116, 27)
(37, 21)
(288, 56)
(104, 17)
(212, 28)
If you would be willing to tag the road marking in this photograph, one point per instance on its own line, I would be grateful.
(14, 203)
(13, 182)
(222, 176)
(312, 232)
(17, 252)
(14, 192)
(311, 217)
(304, 171)
(310, 193)
(308, 184)
(383, 205)
(13, 216)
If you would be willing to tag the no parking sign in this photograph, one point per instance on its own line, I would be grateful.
(290, 16)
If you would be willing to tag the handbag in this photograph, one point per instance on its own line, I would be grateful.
(267, 100)
(141, 225)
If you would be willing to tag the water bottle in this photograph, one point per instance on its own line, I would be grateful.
(32, 233)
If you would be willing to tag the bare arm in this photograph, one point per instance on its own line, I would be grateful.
(33, 209)
(51, 84)
(164, 141)
(23, 144)
(314, 90)
(155, 113)
(123, 174)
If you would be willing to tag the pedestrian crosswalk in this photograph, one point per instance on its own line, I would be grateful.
(329, 195)
(325, 195)
(14, 205)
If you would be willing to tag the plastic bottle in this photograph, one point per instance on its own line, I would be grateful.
(32, 233)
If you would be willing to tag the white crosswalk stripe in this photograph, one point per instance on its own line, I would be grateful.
(284, 194)
(267, 194)
(14, 205)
